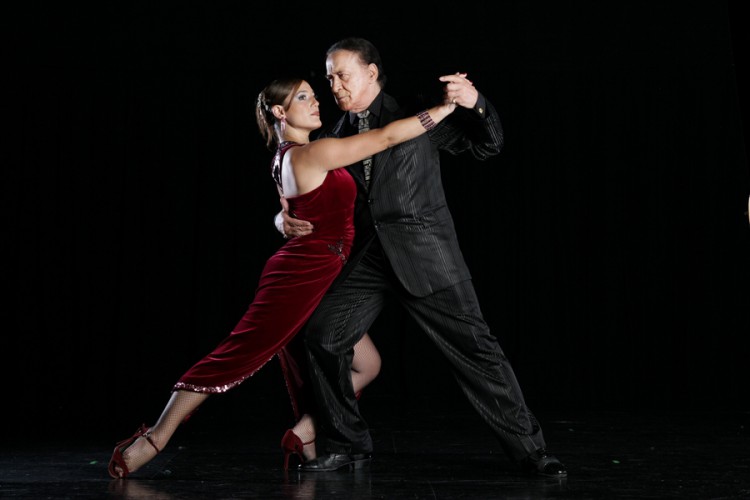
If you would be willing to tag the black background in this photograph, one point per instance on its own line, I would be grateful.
(608, 241)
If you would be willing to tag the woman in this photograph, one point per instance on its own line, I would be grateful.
(311, 178)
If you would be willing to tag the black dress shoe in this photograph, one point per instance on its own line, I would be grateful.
(336, 461)
(542, 463)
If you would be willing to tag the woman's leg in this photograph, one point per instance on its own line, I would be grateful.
(179, 407)
(365, 367)
(365, 364)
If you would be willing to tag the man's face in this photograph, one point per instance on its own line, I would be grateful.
(353, 83)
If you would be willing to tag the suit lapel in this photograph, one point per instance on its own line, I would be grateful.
(387, 115)
(379, 164)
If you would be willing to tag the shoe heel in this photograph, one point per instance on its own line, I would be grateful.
(292, 445)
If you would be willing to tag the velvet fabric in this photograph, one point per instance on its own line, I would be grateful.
(291, 285)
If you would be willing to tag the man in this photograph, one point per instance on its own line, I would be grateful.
(406, 247)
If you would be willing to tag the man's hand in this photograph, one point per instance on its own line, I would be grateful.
(289, 226)
(459, 90)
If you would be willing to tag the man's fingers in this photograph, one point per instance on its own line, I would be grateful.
(456, 78)
(296, 227)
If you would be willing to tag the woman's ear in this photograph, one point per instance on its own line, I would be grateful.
(278, 111)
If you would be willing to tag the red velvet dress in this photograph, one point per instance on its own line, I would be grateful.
(292, 284)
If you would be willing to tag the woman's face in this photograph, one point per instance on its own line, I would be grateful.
(304, 109)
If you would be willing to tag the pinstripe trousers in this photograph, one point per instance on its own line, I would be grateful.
(451, 318)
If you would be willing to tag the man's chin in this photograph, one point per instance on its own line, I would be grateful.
(344, 104)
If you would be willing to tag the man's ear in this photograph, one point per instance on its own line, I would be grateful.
(373, 69)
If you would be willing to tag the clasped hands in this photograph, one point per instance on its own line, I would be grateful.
(459, 90)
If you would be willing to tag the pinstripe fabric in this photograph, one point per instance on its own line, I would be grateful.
(406, 247)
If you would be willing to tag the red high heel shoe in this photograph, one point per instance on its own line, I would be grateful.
(117, 458)
(292, 444)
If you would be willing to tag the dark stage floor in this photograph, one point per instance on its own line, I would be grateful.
(222, 454)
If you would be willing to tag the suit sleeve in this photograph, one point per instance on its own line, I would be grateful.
(478, 130)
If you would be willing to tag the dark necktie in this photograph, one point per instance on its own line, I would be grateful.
(363, 125)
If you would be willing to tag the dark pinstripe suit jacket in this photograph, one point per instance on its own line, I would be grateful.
(405, 206)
